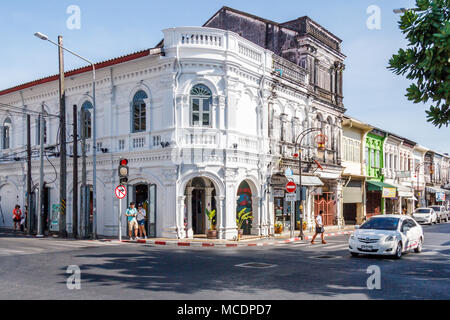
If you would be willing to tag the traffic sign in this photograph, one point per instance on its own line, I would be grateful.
(291, 187)
(288, 173)
(290, 197)
(121, 192)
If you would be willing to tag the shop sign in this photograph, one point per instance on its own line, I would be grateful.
(291, 197)
(278, 180)
(278, 193)
(403, 174)
(288, 173)
(440, 196)
(389, 192)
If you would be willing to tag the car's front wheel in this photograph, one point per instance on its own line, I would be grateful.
(354, 254)
(398, 251)
(419, 246)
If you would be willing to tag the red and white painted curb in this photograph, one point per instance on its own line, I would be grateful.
(225, 245)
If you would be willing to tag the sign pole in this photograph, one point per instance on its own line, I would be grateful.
(120, 220)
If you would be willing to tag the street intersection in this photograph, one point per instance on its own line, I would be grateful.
(37, 269)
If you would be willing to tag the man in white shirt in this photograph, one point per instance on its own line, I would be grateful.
(319, 228)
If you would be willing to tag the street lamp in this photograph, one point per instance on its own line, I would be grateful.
(299, 146)
(400, 10)
(94, 142)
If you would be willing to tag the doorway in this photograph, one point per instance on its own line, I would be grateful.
(145, 194)
(350, 213)
(198, 207)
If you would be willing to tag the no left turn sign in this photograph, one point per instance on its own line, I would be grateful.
(121, 192)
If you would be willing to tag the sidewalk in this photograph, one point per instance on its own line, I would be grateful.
(246, 241)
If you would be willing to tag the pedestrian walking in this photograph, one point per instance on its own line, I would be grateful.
(141, 218)
(131, 214)
(17, 217)
(319, 228)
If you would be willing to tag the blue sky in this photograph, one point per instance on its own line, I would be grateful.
(113, 28)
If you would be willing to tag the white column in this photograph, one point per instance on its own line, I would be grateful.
(220, 203)
(256, 214)
(228, 228)
(190, 231)
(180, 212)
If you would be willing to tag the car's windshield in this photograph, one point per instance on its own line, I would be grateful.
(381, 224)
(436, 208)
(422, 211)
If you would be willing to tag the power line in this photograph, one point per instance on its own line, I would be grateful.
(26, 112)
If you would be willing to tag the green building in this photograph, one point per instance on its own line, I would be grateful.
(376, 190)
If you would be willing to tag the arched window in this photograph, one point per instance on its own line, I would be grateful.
(86, 119)
(7, 134)
(139, 110)
(201, 101)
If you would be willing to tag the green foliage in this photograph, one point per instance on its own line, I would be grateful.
(211, 215)
(426, 61)
(243, 216)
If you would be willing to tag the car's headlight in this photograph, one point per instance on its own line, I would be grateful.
(389, 239)
(352, 237)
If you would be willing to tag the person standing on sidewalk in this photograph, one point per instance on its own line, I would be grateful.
(131, 214)
(319, 228)
(141, 218)
(17, 217)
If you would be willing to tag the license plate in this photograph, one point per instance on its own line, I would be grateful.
(366, 247)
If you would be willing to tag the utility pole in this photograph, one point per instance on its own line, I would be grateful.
(84, 210)
(63, 168)
(75, 175)
(40, 228)
(29, 216)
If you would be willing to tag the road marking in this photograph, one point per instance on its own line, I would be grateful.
(343, 246)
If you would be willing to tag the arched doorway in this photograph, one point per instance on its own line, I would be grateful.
(200, 196)
(245, 202)
(145, 194)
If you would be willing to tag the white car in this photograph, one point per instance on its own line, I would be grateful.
(387, 235)
(441, 213)
(425, 216)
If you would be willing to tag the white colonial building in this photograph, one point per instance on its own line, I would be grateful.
(206, 120)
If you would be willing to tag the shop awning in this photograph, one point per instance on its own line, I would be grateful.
(437, 190)
(308, 181)
(405, 192)
(378, 186)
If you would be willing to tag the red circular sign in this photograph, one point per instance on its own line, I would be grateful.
(291, 187)
(121, 192)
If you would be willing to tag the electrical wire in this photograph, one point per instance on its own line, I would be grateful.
(54, 168)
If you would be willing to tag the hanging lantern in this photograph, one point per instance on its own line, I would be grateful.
(321, 141)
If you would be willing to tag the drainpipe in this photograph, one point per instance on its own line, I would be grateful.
(264, 190)
(175, 91)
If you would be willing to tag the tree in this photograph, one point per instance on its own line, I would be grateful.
(426, 61)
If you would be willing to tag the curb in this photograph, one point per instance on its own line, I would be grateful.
(184, 244)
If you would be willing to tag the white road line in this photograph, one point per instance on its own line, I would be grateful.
(343, 246)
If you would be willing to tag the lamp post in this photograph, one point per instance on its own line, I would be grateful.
(298, 145)
(94, 140)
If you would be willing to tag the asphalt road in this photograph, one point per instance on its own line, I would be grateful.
(36, 269)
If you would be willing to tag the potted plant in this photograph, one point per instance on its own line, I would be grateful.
(242, 216)
(278, 227)
(212, 232)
